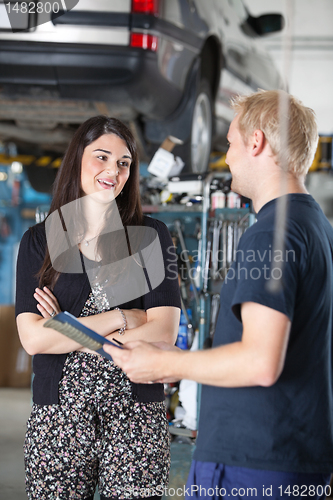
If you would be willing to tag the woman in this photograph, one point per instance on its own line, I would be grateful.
(89, 424)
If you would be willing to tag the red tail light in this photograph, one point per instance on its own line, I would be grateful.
(144, 41)
(145, 7)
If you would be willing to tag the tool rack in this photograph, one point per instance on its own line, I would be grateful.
(194, 227)
(211, 236)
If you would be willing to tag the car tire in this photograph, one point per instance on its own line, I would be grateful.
(196, 150)
(41, 178)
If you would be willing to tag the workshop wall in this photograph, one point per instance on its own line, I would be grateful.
(311, 62)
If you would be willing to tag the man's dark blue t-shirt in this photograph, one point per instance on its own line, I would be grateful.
(288, 426)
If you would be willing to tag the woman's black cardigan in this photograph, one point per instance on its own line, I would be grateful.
(72, 291)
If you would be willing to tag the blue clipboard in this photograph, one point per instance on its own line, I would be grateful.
(68, 325)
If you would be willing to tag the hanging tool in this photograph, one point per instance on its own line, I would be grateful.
(225, 246)
(206, 268)
(177, 225)
(215, 306)
(215, 248)
(190, 333)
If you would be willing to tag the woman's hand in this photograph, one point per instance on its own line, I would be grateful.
(47, 303)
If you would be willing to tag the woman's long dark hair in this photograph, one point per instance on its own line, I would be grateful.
(67, 186)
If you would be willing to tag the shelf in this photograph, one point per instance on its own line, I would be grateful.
(182, 431)
(149, 209)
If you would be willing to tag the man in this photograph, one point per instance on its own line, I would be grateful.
(266, 421)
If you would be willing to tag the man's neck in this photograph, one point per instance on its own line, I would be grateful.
(274, 188)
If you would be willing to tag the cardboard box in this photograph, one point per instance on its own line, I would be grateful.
(164, 163)
(15, 363)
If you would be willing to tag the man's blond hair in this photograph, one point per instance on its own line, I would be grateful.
(260, 111)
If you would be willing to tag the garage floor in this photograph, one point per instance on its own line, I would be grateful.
(15, 407)
(14, 411)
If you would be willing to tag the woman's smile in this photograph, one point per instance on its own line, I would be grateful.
(107, 183)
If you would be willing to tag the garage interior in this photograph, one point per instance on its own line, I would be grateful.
(195, 211)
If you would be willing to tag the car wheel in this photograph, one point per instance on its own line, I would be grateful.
(41, 178)
(196, 151)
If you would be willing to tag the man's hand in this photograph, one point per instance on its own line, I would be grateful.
(144, 362)
(257, 359)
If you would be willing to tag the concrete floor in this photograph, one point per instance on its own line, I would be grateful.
(15, 405)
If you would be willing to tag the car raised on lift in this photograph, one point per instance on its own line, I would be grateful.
(166, 67)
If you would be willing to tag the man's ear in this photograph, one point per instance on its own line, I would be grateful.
(258, 142)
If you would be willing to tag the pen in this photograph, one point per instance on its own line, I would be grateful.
(118, 341)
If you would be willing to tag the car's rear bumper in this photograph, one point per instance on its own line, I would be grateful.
(86, 72)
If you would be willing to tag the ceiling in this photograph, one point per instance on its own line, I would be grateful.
(306, 62)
